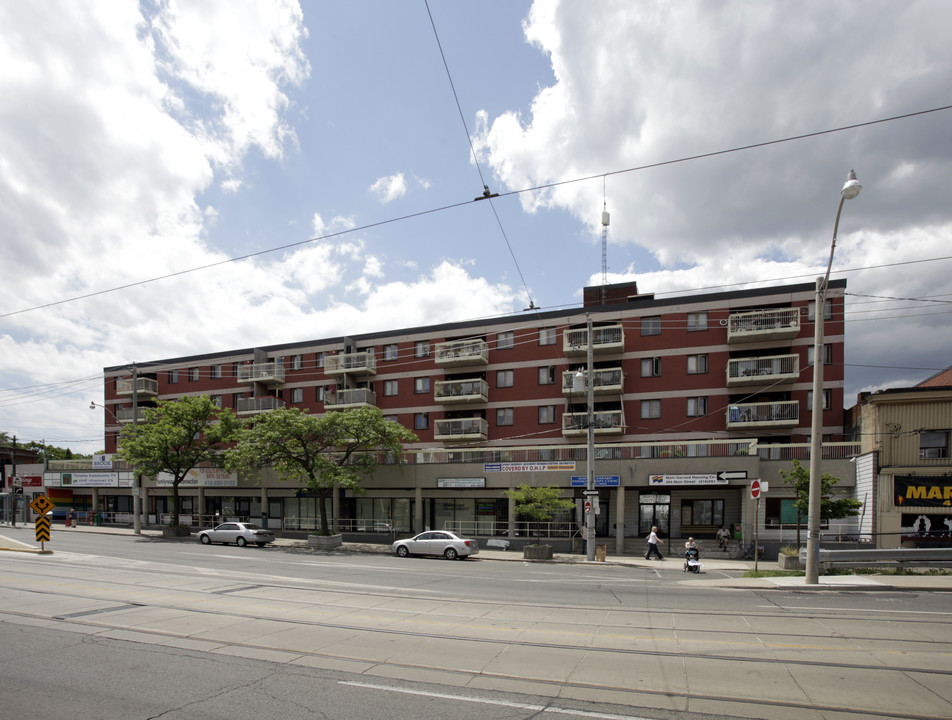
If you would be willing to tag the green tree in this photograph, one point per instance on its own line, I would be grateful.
(319, 452)
(831, 508)
(177, 436)
(539, 503)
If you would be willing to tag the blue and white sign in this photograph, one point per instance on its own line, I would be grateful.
(600, 481)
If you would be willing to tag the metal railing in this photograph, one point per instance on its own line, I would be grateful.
(520, 528)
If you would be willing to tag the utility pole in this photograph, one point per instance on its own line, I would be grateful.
(137, 490)
(13, 490)
(590, 453)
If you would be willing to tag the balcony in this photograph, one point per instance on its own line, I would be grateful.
(462, 352)
(350, 398)
(270, 373)
(253, 406)
(607, 339)
(461, 429)
(357, 363)
(603, 382)
(763, 370)
(605, 422)
(474, 390)
(126, 415)
(143, 386)
(763, 325)
(763, 415)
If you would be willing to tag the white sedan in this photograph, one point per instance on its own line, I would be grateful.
(240, 533)
(436, 542)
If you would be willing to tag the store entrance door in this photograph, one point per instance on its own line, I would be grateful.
(654, 510)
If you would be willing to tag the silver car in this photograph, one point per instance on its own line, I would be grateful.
(240, 533)
(437, 542)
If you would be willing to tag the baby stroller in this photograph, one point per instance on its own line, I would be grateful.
(692, 561)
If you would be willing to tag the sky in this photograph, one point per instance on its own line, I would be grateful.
(179, 178)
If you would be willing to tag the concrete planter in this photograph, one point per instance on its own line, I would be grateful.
(325, 542)
(788, 562)
(537, 552)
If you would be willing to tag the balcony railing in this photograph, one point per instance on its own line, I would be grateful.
(461, 429)
(763, 370)
(251, 406)
(350, 398)
(143, 386)
(603, 381)
(462, 352)
(604, 422)
(126, 415)
(776, 414)
(761, 325)
(271, 373)
(461, 391)
(357, 363)
(610, 338)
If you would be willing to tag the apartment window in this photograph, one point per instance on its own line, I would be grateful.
(546, 414)
(421, 349)
(194, 374)
(503, 378)
(505, 341)
(697, 364)
(827, 399)
(297, 395)
(697, 406)
(421, 421)
(390, 388)
(827, 310)
(650, 409)
(392, 418)
(933, 444)
(827, 354)
(651, 367)
(216, 372)
(651, 325)
(319, 392)
(697, 321)
(234, 369)
(547, 336)
(216, 400)
(173, 376)
(547, 375)
(421, 385)
(319, 360)
(504, 416)
(702, 512)
(390, 352)
(297, 362)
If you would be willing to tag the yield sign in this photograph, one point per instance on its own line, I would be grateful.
(755, 489)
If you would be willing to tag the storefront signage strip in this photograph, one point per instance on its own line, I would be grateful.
(600, 481)
(923, 491)
(461, 482)
(686, 480)
(529, 467)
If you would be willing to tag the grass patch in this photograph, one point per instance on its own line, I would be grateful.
(849, 571)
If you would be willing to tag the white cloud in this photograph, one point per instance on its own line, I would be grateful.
(390, 188)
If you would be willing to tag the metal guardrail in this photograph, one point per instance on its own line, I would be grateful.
(871, 556)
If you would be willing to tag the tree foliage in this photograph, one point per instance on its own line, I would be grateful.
(539, 503)
(319, 452)
(831, 507)
(177, 436)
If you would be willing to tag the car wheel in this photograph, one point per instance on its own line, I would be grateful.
(450, 553)
(403, 551)
(205, 539)
(241, 542)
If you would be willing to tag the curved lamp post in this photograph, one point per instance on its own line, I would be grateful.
(850, 190)
(136, 491)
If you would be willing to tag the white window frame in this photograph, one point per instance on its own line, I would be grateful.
(391, 352)
(505, 416)
(699, 360)
(547, 414)
(651, 325)
(297, 395)
(697, 406)
(421, 349)
(650, 409)
(505, 340)
(547, 336)
(505, 378)
(421, 385)
(651, 367)
(391, 388)
(697, 321)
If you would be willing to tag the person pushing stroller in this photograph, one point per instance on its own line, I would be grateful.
(692, 556)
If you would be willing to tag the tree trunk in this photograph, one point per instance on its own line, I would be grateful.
(322, 501)
(174, 515)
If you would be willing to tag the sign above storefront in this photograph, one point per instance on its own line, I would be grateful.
(461, 482)
(528, 467)
(600, 481)
(201, 477)
(712, 479)
(923, 490)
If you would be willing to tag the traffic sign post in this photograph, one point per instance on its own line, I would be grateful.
(756, 488)
(42, 505)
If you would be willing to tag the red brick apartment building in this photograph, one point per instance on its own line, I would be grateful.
(694, 396)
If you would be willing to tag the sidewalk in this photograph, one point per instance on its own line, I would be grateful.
(717, 571)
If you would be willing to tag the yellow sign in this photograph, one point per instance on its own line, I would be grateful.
(42, 505)
(43, 529)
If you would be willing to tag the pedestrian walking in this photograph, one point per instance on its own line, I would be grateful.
(653, 541)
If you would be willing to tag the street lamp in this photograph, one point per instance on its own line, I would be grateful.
(580, 383)
(850, 190)
(137, 490)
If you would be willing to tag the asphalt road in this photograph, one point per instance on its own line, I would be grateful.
(134, 627)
